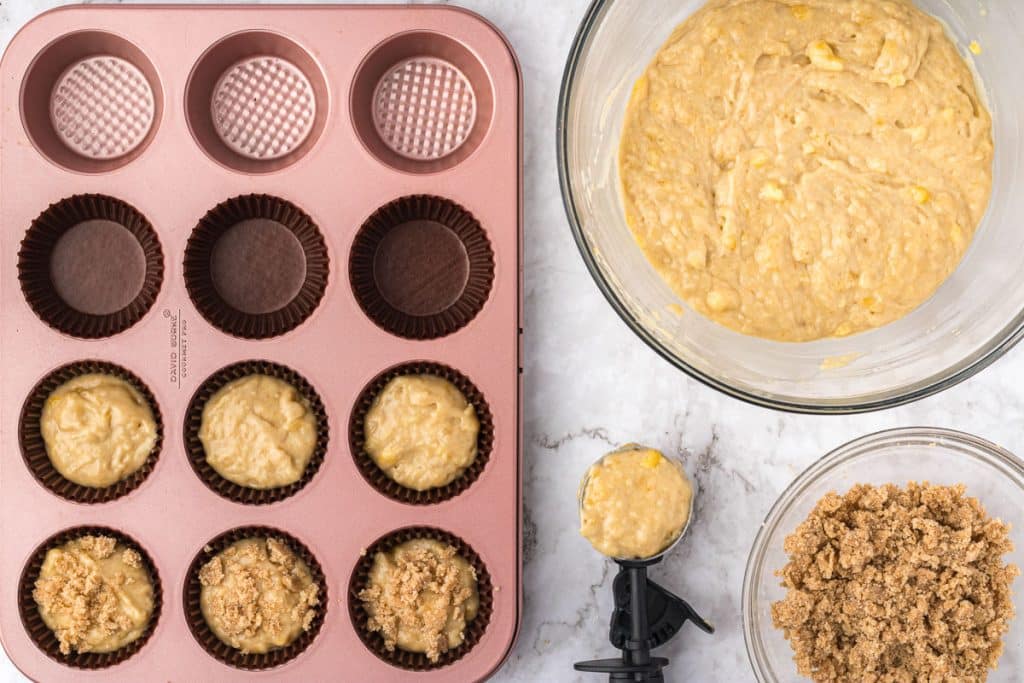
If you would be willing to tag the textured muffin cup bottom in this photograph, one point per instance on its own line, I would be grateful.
(201, 630)
(416, 661)
(33, 447)
(256, 323)
(379, 479)
(41, 634)
(194, 422)
(94, 283)
(395, 292)
(91, 101)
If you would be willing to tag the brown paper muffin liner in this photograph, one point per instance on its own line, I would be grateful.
(194, 421)
(377, 478)
(34, 265)
(416, 661)
(33, 448)
(365, 281)
(205, 636)
(199, 278)
(41, 634)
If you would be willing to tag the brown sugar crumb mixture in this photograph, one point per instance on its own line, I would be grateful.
(257, 595)
(420, 596)
(94, 594)
(891, 585)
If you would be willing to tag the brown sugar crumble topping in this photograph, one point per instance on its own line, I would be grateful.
(90, 600)
(891, 585)
(258, 595)
(420, 597)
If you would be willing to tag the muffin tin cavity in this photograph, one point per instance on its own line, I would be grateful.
(91, 101)
(377, 478)
(41, 634)
(421, 102)
(413, 661)
(205, 636)
(194, 421)
(90, 266)
(256, 102)
(33, 448)
(256, 266)
(421, 267)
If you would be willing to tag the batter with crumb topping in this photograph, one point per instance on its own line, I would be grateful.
(257, 595)
(801, 169)
(420, 597)
(95, 594)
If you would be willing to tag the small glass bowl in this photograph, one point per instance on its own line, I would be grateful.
(671, 458)
(974, 318)
(939, 456)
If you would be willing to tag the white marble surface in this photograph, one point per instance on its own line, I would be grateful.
(591, 385)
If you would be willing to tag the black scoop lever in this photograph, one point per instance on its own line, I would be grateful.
(645, 617)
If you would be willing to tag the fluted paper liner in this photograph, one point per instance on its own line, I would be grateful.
(37, 248)
(416, 661)
(205, 636)
(365, 283)
(194, 421)
(377, 478)
(41, 634)
(199, 279)
(33, 448)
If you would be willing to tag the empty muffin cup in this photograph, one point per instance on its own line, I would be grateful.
(416, 661)
(256, 266)
(379, 479)
(421, 267)
(90, 266)
(209, 640)
(421, 102)
(194, 422)
(44, 637)
(91, 101)
(256, 102)
(33, 447)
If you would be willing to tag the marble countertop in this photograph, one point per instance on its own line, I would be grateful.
(591, 385)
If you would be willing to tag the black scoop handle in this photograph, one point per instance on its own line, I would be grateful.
(645, 616)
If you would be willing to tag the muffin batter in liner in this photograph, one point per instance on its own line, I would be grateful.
(199, 276)
(384, 484)
(33, 448)
(38, 246)
(41, 634)
(478, 260)
(416, 661)
(194, 421)
(205, 636)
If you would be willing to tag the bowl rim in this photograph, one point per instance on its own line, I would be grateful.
(954, 374)
(851, 450)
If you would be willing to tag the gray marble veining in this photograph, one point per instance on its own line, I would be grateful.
(591, 385)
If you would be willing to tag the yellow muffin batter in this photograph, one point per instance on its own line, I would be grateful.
(422, 432)
(97, 429)
(420, 596)
(634, 503)
(94, 594)
(258, 431)
(257, 595)
(800, 169)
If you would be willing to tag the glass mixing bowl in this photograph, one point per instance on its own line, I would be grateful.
(974, 318)
(991, 474)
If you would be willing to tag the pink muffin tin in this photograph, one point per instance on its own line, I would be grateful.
(330, 192)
